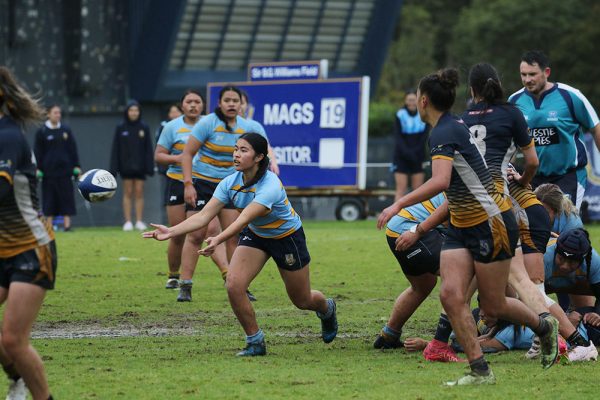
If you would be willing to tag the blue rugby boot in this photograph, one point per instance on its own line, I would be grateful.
(254, 349)
(329, 324)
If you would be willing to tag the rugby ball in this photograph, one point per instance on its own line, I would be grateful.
(97, 185)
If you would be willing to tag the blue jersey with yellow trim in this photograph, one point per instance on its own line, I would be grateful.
(557, 121)
(173, 137)
(415, 214)
(216, 152)
(472, 195)
(280, 221)
(582, 277)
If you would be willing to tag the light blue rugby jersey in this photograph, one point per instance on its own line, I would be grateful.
(415, 214)
(173, 137)
(410, 124)
(281, 221)
(216, 152)
(556, 123)
(565, 222)
(521, 340)
(575, 278)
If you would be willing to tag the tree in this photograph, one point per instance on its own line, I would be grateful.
(410, 56)
(500, 31)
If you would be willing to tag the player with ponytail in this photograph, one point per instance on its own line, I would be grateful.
(268, 227)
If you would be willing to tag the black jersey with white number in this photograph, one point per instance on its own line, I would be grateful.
(472, 195)
(498, 130)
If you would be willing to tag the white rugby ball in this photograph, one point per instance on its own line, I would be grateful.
(97, 185)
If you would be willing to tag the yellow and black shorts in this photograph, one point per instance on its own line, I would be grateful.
(36, 266)
(534, 228)
(490, 241)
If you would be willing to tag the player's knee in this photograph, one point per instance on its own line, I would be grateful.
(450, 298)
(13, 343)
(195, 238)
(234, 286)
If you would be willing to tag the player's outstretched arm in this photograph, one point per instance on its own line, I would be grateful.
(195, 222)
(250, 213)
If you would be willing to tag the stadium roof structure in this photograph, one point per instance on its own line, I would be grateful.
(182, 44)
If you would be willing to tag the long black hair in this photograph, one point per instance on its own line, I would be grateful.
(484, 80)
(261, 146)
(440, 88)
(218, 112)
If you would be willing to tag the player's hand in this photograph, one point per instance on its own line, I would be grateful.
(512, 174)
(406, 240)
(592, 319)
(386, 215)
(211, 245)
(415, 344)
(160, 233)
(189, 194)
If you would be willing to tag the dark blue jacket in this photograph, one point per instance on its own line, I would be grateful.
(132, 151)
(56, 151)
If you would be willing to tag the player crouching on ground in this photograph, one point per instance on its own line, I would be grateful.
(572, 266)
(269, 227)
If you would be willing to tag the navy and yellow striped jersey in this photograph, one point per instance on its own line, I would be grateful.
(498, 130)
(523, 196)
(280, 221)
(173, 137)
(472, 195)
(22, 227)
(415, 214)
(216, 152)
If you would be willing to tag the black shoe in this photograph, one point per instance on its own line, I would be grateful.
(384, 341)
(329, 326)
(253, 350)
(185, 292)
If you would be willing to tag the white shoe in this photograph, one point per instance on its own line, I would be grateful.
(582, 353)
(140, 226)
(17, 390)
(534, 350)
(128, 226)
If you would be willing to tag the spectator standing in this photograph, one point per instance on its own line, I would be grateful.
(57, 162)
(132, 157)
(409, 153)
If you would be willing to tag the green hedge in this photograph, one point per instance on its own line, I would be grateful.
(381, 119)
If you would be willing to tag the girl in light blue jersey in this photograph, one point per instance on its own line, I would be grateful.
(563, 213)
(269, 227)
(182, 250)
(420, 262)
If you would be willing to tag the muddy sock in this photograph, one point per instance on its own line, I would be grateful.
(444, 329)
(479, 366)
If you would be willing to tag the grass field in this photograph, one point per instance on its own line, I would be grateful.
(110, 330)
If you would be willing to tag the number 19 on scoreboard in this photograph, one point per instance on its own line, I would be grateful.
(333, 113)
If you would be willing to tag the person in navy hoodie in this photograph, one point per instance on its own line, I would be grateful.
(58, 162)
(132, 157)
